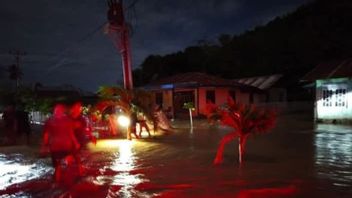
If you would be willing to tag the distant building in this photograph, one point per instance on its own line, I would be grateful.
(274, 91)
(333, 91)
(172, 92)
(63, 93)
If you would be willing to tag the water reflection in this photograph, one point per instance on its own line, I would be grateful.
(14, 169)
(333, 155)
(123, 164)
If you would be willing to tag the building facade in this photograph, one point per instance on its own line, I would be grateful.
(171, 93)
(333, 91)
(334, 100)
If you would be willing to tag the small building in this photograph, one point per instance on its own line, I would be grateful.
(274, 91)
(333, 91)
(63, 93)
(172, 92)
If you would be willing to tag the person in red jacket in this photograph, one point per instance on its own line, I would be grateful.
(82, 125)
(59, 138)
(82, 130)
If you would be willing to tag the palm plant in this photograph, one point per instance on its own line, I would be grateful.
(129, 101)
(190, 107)
(246, 120)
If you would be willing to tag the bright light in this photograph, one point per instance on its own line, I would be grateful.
(123, 120)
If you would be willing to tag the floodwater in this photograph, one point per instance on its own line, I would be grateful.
(297, 159)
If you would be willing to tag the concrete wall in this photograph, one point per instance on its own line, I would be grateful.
(202, 100)
(242, 97)
(306, 107)
(167, 99)
(37, 117)
(221, 95)
(277, 95)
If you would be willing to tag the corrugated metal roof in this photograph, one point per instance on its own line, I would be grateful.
(332, 69)
(261, 82)
(197, 79)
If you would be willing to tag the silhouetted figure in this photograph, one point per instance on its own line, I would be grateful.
(10, 125)
(23, 124)
(142, 122)
(133, 129)
(111, 118)
(82, 126)
(59, 138)
(82, 131)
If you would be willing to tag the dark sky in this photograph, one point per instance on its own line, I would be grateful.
(65, 42)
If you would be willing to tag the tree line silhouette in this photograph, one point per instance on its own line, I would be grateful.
(291, 45)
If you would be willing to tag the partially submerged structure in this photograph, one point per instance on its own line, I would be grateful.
(172, 92)
(270, 84)
(333, 91)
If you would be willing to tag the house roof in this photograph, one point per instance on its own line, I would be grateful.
(57, 91)
(332, 69)
(196, 79)
(261, 82)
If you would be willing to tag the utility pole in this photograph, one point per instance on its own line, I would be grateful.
(119, 32)
(14, 70)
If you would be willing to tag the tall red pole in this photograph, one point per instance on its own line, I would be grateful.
(118, 30)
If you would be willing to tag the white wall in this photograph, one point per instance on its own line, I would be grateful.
(332, 111)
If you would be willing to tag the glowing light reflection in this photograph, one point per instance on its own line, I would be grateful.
(333, 155)
(124, 163)
(12, 172)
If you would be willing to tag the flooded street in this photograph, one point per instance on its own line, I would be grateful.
(297, 159)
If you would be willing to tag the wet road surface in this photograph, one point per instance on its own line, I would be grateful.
(298, 159)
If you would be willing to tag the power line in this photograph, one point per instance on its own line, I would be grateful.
(86, 37)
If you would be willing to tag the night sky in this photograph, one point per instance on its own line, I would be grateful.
(65, 42)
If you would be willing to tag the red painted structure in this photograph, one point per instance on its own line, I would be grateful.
(118, 31)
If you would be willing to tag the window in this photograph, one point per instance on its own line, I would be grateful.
(340, 97)
(335, 98)
(327, 98)
(180, 98)
(210, 96)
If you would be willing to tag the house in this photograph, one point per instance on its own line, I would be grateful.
(172, 92)
(62, 93)
(270, 84)
(57, 92)
(333, 91)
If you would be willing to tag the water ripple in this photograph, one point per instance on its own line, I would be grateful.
(333, 156)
